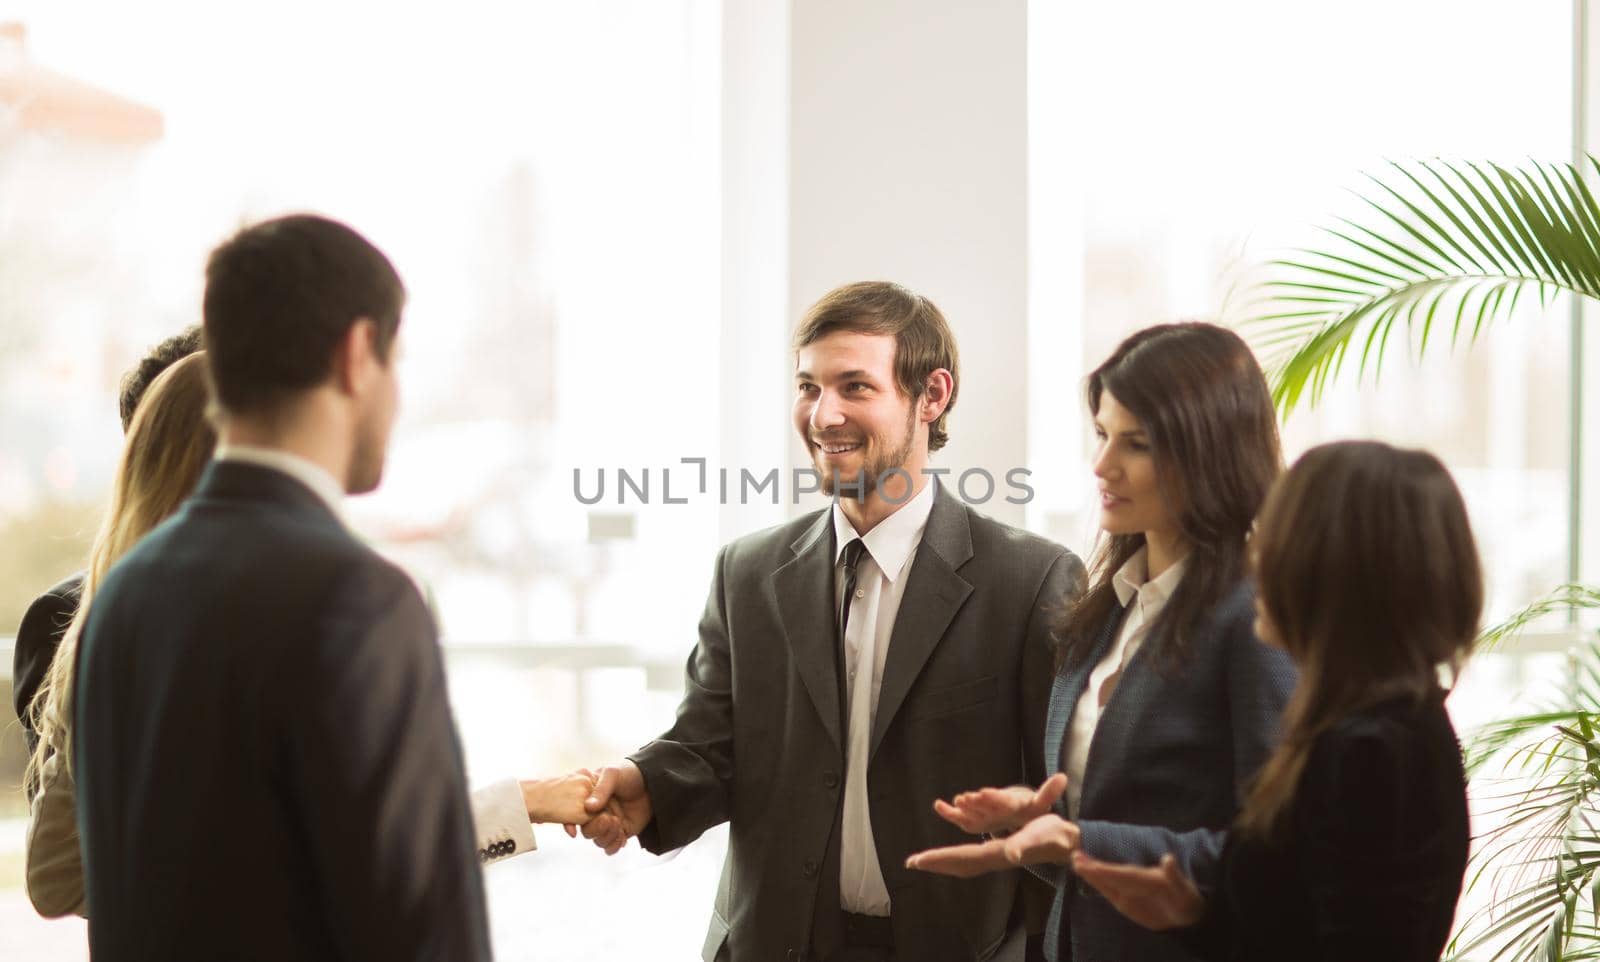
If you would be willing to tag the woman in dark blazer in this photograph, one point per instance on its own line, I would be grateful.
(1354, 840)
(1165, 703)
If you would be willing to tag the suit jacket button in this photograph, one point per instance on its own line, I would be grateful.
(830, 779)
(810, 869)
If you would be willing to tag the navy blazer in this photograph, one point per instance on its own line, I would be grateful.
(265, 759)
(1370, 864)
(1168, 767)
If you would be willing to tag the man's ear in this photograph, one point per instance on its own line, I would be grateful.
(936, 391)
(355, 357)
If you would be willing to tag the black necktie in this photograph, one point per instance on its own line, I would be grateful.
(852, 556)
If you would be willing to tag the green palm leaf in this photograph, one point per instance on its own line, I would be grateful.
(1541, 863)
(1450, 246)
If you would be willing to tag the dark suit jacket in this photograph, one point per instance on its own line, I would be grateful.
(757, 740)
(38, 637)
(1371, 864)
(266, 763)
(1168, 768)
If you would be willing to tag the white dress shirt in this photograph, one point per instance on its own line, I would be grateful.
(1132, 584)
(499, 814)
(881, 577)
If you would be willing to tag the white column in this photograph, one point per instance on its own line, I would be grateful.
(1586, 343)
(756, 319)
(1055, 361)
(908, 161)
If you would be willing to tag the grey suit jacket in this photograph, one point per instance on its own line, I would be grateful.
(757, 741)
(1168, 767)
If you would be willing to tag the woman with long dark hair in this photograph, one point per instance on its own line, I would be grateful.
(1353, 843)
(1165, 703)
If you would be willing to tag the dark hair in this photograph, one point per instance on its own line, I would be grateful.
(1205, 408)
(923, 342)
(158, 359)
(1368, 571)
(280, 295)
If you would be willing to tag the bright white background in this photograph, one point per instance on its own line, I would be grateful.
(569, 192)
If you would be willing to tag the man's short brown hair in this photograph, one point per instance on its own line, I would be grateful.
(279, 297)
(923, 342)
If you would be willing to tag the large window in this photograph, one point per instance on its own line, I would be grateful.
(1176, 146)
(543, 175)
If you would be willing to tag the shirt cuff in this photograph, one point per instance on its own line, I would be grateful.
(500, 821)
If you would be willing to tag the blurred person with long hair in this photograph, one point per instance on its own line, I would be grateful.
(169, 442)
(1165, 703)
(47, 617)
(1354, 841)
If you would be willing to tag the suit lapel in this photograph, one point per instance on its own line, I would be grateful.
(932, 597)
(1070, 684)
(1110, 737)
(804, 590)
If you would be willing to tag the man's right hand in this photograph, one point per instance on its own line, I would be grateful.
(997, 811)
(619, 807)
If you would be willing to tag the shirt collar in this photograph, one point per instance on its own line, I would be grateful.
(1134, 577)
(894, 539)
(314, 476)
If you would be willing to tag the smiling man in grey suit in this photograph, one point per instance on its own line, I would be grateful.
(853, 665)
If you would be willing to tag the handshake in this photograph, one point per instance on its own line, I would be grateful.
(609, 806)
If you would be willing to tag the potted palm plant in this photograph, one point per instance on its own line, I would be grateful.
(1441, 252)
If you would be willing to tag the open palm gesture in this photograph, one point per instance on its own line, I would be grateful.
(996, 811)
(1158, 898)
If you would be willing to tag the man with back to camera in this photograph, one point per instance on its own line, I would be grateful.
(822, 731)
(47, 617)
(265, 757)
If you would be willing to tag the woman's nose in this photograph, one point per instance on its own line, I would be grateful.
(1105, 464)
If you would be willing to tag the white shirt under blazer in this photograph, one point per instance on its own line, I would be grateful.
(1132, 583)
(880, 585)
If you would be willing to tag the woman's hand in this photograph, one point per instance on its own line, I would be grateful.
(1157, 898)
(996, 811)
(962, 861)
(1048, 838)
(558, 799)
